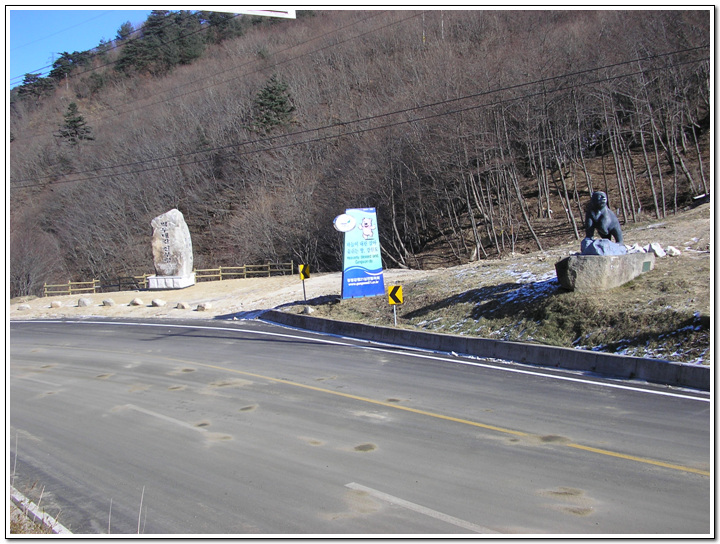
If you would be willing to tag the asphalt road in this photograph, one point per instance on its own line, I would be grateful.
(244, 427)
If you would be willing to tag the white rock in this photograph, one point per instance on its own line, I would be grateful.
(157, 303)
(108, 302)
(56, 304)
(204, 306)
(672, 251)
(183, 306)
(656, 249)
(136, 302)
(23, 307)
(84, 302)
(308, 310)
(635, 248)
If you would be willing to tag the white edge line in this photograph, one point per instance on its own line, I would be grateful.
(391, 349)
(421, 509)
(33, 512)
(163, 417)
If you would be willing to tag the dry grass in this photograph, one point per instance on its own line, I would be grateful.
(665, 313)
(20, 524)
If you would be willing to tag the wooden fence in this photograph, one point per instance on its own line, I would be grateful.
(71, 288)
(125, 283)
(245, 271)
(140, 282)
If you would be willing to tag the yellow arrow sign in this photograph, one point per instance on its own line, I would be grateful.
(304, 270)
(395, 294)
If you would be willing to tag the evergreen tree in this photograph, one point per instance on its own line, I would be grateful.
(74, 129)
(166, 40)
(34, 86)
(67, 62)
(221, 26)
(124, 32)
(190, 42)
(103, 47)
(273, 105)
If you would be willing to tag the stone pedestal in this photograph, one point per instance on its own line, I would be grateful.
(601, 272)
(170, 282)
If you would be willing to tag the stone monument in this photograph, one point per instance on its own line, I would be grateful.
(172, 252)
(602, 264)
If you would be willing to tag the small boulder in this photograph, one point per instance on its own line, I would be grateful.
(23, 307)
(635, 248)
(656, 249)
(108, 302)
(183, 306)
(136, 302)
(672, 251)
(157, 303)
(56, 304)
(203, 306)
(308, 310)
(84, 302)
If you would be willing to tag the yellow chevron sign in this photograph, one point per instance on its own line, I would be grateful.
(304, 270)
(395, 294)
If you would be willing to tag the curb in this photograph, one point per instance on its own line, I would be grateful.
(609, 364)
(33, 513)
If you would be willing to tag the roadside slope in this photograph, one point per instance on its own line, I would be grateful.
(664, 313)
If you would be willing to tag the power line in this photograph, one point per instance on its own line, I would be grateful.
(60, 31)
(118, 43)
(380, 116)
(240, 66)
(262, 69)
(124, 42)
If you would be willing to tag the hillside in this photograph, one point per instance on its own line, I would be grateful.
(665, 313)
(476, 134)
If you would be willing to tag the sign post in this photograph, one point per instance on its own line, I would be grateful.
(304, 270)
(395, 297)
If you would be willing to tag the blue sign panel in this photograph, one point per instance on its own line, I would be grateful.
(362, 264)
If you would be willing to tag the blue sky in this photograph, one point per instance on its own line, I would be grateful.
(36, 34)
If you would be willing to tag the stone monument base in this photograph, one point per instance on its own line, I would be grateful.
(170, 282)
(601, 272)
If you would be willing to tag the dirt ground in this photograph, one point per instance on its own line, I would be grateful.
(226, 299)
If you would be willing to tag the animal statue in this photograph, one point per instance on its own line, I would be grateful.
(600, 218)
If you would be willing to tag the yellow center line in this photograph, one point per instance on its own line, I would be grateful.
(609, 453)
(435, 415)
(639, 459)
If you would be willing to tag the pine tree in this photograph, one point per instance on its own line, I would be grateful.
(125, 31)
(273, 105)
(166, 40)
(34, 86)
(67, 62)
(74, 129)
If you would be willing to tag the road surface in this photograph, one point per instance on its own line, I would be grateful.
(249, 428)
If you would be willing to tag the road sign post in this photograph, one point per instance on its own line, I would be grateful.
(304, 270)
(395, 297)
